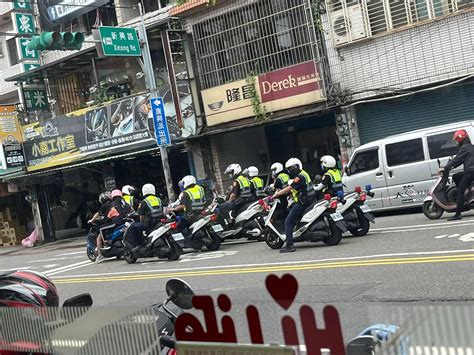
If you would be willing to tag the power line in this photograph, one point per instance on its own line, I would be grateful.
(38, 2)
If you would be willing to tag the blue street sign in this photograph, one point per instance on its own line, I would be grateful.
(159, 121)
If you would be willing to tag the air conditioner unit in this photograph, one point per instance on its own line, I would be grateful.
(348, 24)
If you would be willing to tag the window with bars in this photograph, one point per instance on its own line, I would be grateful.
(257, 38)
(353, 20)
(12, 51)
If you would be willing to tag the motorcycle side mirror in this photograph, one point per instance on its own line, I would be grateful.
(180, 293)
(82, 300)
(362, 345)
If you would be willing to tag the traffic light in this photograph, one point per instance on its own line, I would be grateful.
(50, 41)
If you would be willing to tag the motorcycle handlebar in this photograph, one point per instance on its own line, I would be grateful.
(167, 341)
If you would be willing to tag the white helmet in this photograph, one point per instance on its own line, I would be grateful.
(293, 162)
(253, 171)
(328, 162)
(188, 180)
(233, 170)
(148, 189)
(276, 168)
(127, 189)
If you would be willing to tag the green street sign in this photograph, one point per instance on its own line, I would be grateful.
(25, 23)
(25, 52)
(35, 99)
(30, 66)
(22, 4)
(119, 41)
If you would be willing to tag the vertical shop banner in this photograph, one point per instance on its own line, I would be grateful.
(11, 155)
(24, 23)
(25, 53)
(281, 89)
(22, 5)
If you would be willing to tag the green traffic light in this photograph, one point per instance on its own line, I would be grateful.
(50, 39)
(57, 41)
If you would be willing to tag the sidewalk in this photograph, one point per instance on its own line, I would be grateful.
(56, 245)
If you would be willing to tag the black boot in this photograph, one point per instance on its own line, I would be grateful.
(456, 217)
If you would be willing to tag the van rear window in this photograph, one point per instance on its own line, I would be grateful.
(404, 152)
(442, 145)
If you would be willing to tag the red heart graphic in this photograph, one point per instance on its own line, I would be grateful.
(283, 290)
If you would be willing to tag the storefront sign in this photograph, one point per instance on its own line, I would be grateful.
(24, 23)
(35, 99)
(30, 66)
(118, 127)
(26, 53)
(281, 89)
(67, 8)
(11, 155)
(22, 4)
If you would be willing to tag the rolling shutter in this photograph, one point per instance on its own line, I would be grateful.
(385, 118)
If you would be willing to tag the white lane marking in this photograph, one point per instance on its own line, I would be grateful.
(467, 237)
(208, 255)
(439, 350)
(54, 259)
(65, 268)
(74, 253)
(154, 262)
(425, 225)
(437, 226)
(50, 266)
(281, 263)
(454, 235)
(441, 236)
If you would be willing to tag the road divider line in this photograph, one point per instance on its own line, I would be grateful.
(426, 225)
(73, 253)
(372, 232)
(67, 267)
(183, 273)
(297, 262)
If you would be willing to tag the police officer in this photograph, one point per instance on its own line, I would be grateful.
(257, 182)
(149, 211)
(299, 188)
(240, 193)
(281, 179)
(128, 192)
(192, 201)
(331, 181)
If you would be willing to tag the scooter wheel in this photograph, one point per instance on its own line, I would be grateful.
(91, 255)
(129, 258)
(175, 252)
(364, 226)
(216, 242)
(334, 237)
(431, 210)
(273, 240)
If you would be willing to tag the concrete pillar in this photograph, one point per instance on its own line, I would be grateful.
(348, 132)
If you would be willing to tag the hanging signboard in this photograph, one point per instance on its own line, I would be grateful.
(11, 155)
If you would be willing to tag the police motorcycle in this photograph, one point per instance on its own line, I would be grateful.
(159, 242)
(113, 244)
(320, 223)
(355, 212)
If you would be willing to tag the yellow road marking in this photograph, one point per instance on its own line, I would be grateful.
(265, 269)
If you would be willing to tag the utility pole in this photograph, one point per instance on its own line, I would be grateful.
(151, 85)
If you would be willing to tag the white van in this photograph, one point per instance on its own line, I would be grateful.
(402, 168)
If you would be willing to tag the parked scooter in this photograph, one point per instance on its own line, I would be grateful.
(355, 212)
(442, 197)
(159, 243)
(113, 245)
(320, 223)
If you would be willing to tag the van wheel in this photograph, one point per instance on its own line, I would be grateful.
(364, 226)
(431, 210)
(335, 235)
(273, 240)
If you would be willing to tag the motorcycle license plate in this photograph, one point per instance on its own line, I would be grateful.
(337, 217)
(365, 208)
(217, 228)
(178, 236)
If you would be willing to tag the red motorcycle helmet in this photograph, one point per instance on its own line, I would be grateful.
(37, 282)
(460, 135)
(14, 294)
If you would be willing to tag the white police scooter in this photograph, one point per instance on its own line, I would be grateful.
(355, 212)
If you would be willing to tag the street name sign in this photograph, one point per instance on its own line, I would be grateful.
(119, 41)
(159, 121)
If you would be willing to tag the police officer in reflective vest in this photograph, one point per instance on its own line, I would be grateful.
(299, 189)
(240, 193)
(192, 202)
(332, 179)
(257, 182)
(127, 193)
(149, 211)
(280, 181)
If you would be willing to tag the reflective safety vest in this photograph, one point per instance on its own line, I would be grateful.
(197, 196)
(129, 199)
(284, 178)
(245, 188)
(309, 186)
(336, 180)
(155, 206)
(258, 185)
